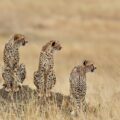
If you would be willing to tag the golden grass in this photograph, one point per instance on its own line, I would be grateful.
(86, 30)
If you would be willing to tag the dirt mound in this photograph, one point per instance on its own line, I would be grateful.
(24, 94)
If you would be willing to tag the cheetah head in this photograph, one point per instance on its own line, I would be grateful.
(20, 40)
(55, 45)
(52, 46)
(89, 66)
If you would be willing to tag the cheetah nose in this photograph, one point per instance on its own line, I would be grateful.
(95, 68)
(60, 48)
(24, 43)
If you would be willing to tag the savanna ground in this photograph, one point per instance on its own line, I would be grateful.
(88, 29)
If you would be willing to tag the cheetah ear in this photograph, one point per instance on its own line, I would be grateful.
(85, 62)
(16, 37)
(53, 43)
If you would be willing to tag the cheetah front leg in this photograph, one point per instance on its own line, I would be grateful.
(80, 107)
(77, 106)
(51, 81)
(39, 82)
(20, 75)
(84, 105)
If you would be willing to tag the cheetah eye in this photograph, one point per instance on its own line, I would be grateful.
(16, 38)
(85, 62)
(53, 43)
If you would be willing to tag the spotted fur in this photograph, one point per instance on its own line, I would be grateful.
(78, 85)
(44, 77)
(12, 71)
(8, 77)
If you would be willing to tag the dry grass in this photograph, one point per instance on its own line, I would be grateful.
(87, 30)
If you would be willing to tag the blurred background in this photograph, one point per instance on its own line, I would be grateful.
(87, 29)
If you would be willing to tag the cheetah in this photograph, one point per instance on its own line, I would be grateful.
(44, 77)
(78, 85)
(12, 70)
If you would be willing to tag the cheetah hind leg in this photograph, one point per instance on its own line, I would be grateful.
(20, 85)
(8, 78)
(21, 74)
(84, 105)
(8, 87)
